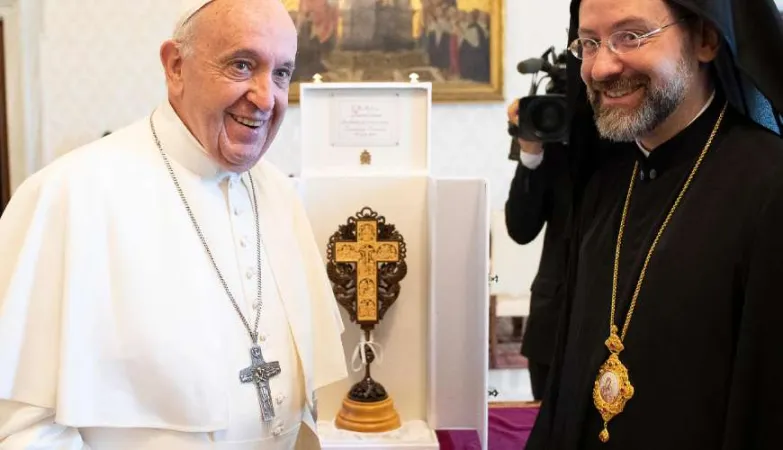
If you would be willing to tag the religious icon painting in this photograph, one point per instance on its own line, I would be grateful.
(609, 387)
(454, 44)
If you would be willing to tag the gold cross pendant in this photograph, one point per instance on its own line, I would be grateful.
(612, 387)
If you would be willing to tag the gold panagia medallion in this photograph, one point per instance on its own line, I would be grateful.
(612, 386)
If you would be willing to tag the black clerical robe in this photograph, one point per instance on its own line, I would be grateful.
(705, 345)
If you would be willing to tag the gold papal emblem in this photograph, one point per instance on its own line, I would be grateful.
(365, 158)
(366, 262)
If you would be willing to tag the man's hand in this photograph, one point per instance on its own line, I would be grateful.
(513, 110)
(531, 147)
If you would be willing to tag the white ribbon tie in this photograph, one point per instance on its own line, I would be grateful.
(360, 352)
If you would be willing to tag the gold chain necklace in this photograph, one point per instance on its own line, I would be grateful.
(612, 386)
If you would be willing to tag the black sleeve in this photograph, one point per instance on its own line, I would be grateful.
(755, 413)
(530, 198)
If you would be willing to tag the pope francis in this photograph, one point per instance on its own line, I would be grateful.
(161, 288)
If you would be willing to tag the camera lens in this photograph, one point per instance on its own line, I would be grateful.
(543, 118)
(548, 117)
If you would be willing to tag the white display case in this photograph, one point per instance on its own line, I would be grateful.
(435, 337)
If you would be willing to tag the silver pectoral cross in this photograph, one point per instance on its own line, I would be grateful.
(259, 374)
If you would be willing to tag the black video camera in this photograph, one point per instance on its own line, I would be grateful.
(543, 118)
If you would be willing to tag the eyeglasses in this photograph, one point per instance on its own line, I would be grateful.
(620, 42)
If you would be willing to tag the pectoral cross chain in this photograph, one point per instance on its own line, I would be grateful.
(259, 372)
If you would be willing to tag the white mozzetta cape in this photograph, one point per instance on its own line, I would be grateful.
(111, 315)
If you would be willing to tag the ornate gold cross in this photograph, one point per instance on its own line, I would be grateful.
(367, 252)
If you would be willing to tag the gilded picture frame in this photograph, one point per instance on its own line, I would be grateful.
(455, 44)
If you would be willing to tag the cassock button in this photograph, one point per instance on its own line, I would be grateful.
(237, 211)
(280, 399)
(653, 174)
(249, 273)
(641, 175)
(262, 337)
(243, 242)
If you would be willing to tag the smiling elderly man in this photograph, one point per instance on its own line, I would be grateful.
(161, 288)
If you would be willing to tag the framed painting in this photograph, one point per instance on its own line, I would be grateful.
(455, 44)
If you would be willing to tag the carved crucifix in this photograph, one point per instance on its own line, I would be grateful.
(367, 252)
(259, 372)
(366, 263)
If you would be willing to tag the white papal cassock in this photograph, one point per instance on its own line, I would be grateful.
(115, 332)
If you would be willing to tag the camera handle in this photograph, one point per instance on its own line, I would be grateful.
(533, 85)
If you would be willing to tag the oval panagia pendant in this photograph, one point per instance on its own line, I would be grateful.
(612, 386)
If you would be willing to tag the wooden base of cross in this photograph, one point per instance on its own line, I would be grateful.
(368, 408)
(361, 417)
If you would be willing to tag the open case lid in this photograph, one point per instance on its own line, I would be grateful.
(365, 128)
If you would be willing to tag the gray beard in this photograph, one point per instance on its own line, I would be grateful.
(622, 125)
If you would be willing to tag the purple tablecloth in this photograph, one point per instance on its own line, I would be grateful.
(509, 428)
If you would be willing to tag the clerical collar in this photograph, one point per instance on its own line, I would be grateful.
(181, 146)
(684, 146)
